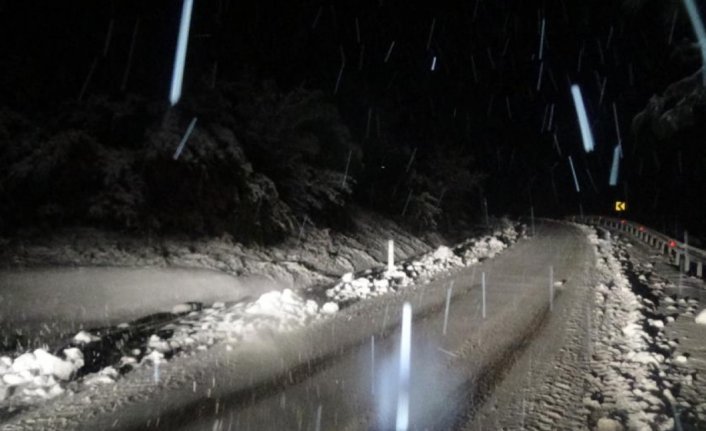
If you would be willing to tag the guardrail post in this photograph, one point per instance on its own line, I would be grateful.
(687, 258)
(687, 262)
(677, 259)
(700, 269)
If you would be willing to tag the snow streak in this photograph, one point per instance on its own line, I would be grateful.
(586, 134)
(180, 58)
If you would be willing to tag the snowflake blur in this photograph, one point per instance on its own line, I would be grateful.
(180, 57)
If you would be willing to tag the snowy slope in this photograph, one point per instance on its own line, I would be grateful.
(42, 305)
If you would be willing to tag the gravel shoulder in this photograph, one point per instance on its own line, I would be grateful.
(624, 354)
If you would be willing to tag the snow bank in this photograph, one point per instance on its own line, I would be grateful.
(37, 374)
(375, 283)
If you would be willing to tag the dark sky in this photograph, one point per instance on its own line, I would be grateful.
(481, 93)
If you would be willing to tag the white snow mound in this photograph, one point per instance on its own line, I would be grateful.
(701, 317)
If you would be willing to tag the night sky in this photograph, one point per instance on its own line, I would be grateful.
(462, 76)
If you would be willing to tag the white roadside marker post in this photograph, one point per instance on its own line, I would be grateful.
(687, 260)
(390, 256)
(551, 288)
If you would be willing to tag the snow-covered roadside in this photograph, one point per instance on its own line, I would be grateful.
(34, 376)
(373, 283)
(632, 363)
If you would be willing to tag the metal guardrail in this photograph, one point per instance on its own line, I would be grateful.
(689, 259)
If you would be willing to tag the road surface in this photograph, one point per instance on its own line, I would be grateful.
(329, 376)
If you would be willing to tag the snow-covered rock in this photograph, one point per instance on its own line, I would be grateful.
(158, 344)
(311, 308)
(329, 308)
(25, 362)
(607, 424)
(154, 357)
(657, 323)
(55, 366)
(75, 356)
(12, 379)
(105, 376)
(5, 362)
(381, 285)
(443, 253)
(645, 358)
(84, 337)
(98, 379)
(701, 317)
